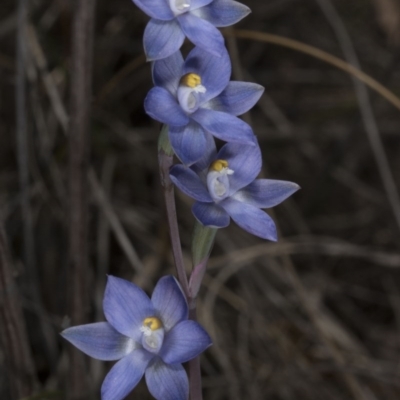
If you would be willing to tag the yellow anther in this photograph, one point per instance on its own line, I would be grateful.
(153, 323)
(191, 80)
(219, 165)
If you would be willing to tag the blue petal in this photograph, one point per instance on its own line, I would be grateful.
(266, 193)
(163, 107)
(100, 341)
(237, 98)
(194, 4)
(169, 302)
(125, 375)
(168, 72)
(189, 142)
(223, 12)
(214, 71)
(167, 382)
(189, 182)
(184, 342)
(162, 38)
(251, 219)
(224, 126)
(201, 166)
(245, 161)
(126, 306)
(202, 33)
(211, 215)
(158, 9)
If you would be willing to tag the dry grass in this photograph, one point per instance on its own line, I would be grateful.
(316, 316)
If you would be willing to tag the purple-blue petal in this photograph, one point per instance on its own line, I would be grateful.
(167, 382)
(168, 72)
(194, 4)
(99, 340)
(237, 98)
(251, 219)
(202, 33)
(223, 12)
(125, 375)
(162, 39)
(214, 71)
(224, 126)
(210, 214)
(266, 193)
(244, 160)
(189, 142)
(189, 182)
(184, 342)
(202, 165)
(169, 302)
(163, 107)
(158, 9)
(126, 306)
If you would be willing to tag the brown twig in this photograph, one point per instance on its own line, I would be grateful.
(321, 55)
(115, 224)
(307, 245)
(82, 46)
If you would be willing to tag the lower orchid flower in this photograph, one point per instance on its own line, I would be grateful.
(224, 186)
(150, 337)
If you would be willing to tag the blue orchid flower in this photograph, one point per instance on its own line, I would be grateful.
(149, 337)
(173, 20)
(224, 186)
(195, 98)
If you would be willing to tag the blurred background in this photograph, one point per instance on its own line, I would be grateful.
(315, 316)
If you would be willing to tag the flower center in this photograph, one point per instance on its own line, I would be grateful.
(179, 6)
(189, 88)
(153, 323)
(191, 80)
(153, 334)
(219, 165)
(218, 180)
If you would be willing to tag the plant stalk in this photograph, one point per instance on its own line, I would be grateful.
(165, 159)
(165, 162)
(195, 384)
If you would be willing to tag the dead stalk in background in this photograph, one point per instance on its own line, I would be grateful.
(82, 46)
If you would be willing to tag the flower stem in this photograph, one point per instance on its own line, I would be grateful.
(194, 367)
(165, 160)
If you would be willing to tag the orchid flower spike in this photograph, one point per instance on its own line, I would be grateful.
(224, 186)
(150, 337)
(195, 98)
(173, 20)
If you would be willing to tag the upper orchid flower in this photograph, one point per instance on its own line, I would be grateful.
(225, 187)
(149, 337)
(195, 98)
(173, 20)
